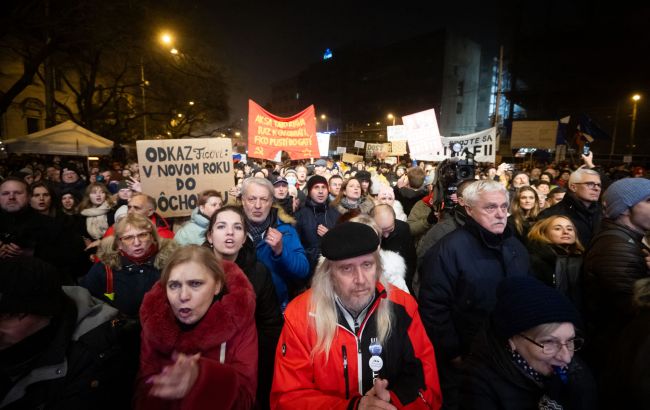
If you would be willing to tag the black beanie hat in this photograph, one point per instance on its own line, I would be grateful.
(316, 179)
(363, 175)
(29, 285)
(524, 302)
(70, 166)
(349, 240)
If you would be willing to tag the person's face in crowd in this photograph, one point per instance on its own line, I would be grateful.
(135, 167)
(545, 177)
(555, 198)
(492, 172)
(228, 235)
(588, 189)
(259, 174)
(247, 169)
(135, 241)
(126, 174)
(190, 291)
(139, 205)
(353, 190)
(14, 328)
(364, 185)
(41, 200)
(211, 205)
(335, 171)
(335, 186)
(53, 174)
(565, 176)
(13, 196)
(239, 174)
(97, 196)
(535, 173)
(639, 216)
(385, 197)
(319, 170)
(257, 203)
(69, 177)
(29, 179)
(520, 180)
(125, 194)
(490, 211)
(106, 175)
(117, 166)
(359, 166)
(527, 200)
(354, 281)
(319, 193)
(552, 171)
(543, 189)
(67, 201)
(291, 177)
(301, 174)
(535, 356)
(386, 223)
(281, 190)
(561, 231)
(399, 172)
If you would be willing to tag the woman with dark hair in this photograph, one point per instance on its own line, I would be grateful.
(556, 255)
(227, 237)
(524, 358)
(70, 202)
(523, 212)
(351, 197)
(129, 264)
(193, 232)
(199, 343)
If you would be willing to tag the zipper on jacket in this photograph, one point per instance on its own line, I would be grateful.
(346, 377)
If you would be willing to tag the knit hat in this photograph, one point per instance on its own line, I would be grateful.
(70, 167)
(349, 240)
(316, 179)
(363, 176)
(320, 163)
(524, 302)
(29, 285)
(624, 194)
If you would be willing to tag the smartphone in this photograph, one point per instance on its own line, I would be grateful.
(585, 149)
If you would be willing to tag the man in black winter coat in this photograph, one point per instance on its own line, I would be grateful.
(59, 347)
(315, 218)
(459, 278)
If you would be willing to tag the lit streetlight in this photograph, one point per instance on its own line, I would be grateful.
(635, 100)
(174, 51)
(191, 103)
(324, 118)
(166, 39)
(391, 117)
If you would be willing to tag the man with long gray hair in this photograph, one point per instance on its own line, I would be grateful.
(352, 340)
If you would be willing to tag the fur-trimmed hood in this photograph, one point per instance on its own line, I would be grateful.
(282, 216)
(223, 319)
(642, 293)
(111, 257)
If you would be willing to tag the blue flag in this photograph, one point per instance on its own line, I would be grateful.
(589, 130)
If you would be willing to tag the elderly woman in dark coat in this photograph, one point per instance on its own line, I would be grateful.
(524, 358)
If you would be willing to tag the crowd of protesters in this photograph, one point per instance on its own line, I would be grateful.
(322, 284)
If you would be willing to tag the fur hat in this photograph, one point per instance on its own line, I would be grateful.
(624, 194)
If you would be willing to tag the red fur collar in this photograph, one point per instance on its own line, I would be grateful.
(235, 310)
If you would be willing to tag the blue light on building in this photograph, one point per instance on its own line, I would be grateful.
(328, 54)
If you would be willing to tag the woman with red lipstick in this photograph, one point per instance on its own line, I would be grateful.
(556, 255)
(228, 240)
(129, 264)
(199, 342)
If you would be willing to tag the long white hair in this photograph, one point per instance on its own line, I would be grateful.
(322, 311)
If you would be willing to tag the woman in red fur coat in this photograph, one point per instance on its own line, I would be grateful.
(199, 342)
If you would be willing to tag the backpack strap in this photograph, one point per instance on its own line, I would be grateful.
(110, 294)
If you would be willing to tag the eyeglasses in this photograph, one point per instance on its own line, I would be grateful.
(552, 348)
(251, 200)
(129, 239)
(590, 185)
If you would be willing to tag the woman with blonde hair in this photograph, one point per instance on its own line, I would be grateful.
(556, 255)
(129, 264)
(97, 209)
(524, 210)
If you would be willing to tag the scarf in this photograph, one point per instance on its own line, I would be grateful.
(96, 220)
(153, 249)
(347, 204)
(256, 230)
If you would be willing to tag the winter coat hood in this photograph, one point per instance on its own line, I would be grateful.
(110, 256)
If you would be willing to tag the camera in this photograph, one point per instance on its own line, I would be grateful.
(465, 168)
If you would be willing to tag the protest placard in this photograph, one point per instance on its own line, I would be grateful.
(398, 148)
(351, 158)
(377, 150)
(359, 144)
(423, 135)
(175, 171)
(396, 133)
(341, 150)
(268, 133)
(534, 134)
(323, 143)
(482, 144)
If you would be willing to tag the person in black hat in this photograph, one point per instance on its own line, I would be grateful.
(524, 357)
(281, 196)
(71, 179)
(353, 340)
(59, 347)
(315, 218)
(366, 182)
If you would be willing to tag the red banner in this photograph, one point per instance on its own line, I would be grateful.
(268, 133)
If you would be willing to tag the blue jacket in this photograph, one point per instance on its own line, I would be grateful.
(193, 232)
(307, 220)
(291, 265)
(459, 278)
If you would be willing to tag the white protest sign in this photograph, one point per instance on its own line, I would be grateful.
(482, 144)
(341, 150)
(323, 143)
(359, 144)
(396, 133)
(398, 148)
(533, 134)
(375, 150)
(423, 135)
(174, 172)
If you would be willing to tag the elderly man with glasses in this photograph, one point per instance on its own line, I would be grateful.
(275, 239)
(459, 278)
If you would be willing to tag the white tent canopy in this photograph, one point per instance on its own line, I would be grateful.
(66, 138)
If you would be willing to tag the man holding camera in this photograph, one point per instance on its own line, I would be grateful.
(460, 275)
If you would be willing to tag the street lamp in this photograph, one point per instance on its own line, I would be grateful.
(166, 39)
(635, 99)
(391, 117)
(324, 118)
